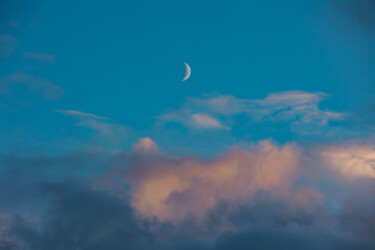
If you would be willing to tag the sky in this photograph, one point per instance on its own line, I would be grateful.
(269, 144)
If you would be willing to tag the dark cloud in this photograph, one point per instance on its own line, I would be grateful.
(81, 218)
(358, 214)
(264, 237)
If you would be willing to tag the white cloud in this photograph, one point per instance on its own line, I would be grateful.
(146, 146)
(80, 114)
(205, 121)
(299, 108)
(351, 161)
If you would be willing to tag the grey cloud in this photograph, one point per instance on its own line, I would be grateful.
(80, 218)
(270, 236)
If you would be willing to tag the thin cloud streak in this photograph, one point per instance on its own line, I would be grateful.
(80, 114)
(40, 56)
(103, 125)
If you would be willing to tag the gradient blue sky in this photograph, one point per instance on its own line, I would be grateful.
(270, 138)
(124, 60)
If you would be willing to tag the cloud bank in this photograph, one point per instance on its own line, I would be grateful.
(263, 196)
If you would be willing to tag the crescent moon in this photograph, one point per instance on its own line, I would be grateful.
(188, 72)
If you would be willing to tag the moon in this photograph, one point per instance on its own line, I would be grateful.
(188, 72)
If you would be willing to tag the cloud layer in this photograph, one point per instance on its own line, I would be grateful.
(298, 108)
(263, 196)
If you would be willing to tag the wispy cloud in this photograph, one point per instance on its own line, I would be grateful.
(101, 124)
(109, 130)
(35, 84)
(201, 120)
(296, 107)
(40, 56)
(80, 114)
(195, 120)
(7, 45)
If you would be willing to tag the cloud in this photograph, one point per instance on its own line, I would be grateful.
(76, 113)
(110, 130)
(196, 121)
(35, 84)
(290, 237)
(205, 122)
(298, 108)
(107, 129)
(146, 146)
(40, 56)
(351, 161)
(257, 197)
(173, 188)
(79, 218)
(7, 45)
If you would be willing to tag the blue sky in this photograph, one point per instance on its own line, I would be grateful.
(124, 60)
(88, 86)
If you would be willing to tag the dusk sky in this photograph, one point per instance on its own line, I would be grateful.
(108, 142)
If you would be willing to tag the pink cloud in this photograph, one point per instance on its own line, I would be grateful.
(172, 188)
(351, 161)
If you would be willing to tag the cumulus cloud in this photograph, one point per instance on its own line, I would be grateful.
(173, 188)
(298, 108)
(40, 56)
(351, 161)
(35, 84)
(146, 146)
